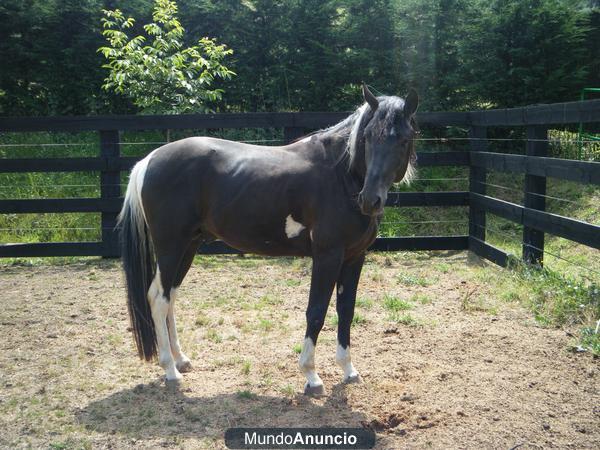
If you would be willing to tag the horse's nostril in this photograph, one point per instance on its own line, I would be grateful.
(377, 203)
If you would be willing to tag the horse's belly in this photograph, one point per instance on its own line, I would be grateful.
(267, 245)
(262, 232)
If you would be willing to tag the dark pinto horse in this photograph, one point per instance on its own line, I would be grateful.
(322, 196)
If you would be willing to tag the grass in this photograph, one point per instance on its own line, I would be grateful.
(395, 304)
(358, 319)
(404, 319)
(246, 395)
(246, 367)
(589, 339)
(411, 279)
(213, 336)
(365, 303)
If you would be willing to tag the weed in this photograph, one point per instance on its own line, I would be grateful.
(202, 320)
(265, 324)
(423, 299)
(246, 368)
(297, 348)
(589, 339)
(356, 320)
(365, 303)
(213, 336)
(413, 280)
(392, 303)
(246, 395)
(404, 319)
(288, 390)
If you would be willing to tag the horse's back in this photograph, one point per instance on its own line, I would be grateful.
(237, 192)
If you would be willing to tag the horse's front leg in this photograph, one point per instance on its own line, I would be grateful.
(325, 271)
(347, 284)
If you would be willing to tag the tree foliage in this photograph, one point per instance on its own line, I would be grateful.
(162, 76)
(300, 54)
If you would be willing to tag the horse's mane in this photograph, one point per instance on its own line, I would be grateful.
(352, 129)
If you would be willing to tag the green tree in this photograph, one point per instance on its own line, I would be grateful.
(162, 76)
(519, 53)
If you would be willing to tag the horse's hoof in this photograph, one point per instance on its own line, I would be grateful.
(185, 366)
(353, 379)
(174, 382)
(314, 391)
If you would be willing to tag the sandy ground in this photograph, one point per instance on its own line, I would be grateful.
(460, 369)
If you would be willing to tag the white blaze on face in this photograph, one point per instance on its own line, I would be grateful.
(292, 228)
(307, 363)
(342, 357)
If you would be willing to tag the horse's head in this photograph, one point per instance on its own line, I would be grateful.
(389, 147)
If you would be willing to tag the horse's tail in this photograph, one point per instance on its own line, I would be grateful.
(138, 263)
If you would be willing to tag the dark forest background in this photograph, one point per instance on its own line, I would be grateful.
(308, 55)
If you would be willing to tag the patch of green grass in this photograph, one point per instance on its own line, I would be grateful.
(358, 319)
(392, 303)
(292, 283)
(246, 395)
(589, 339)
(265, 324)
(408, 279)
(442, 267)
(246, 368)
(365, 303)
(288, 390)
(404, 319)
(202, 320)
(213, 336)
(555, 299)
(297, 348)
(423, 299)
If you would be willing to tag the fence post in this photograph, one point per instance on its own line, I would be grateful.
(110, 187)
(477, 180)
(534, 195)
(292, 133)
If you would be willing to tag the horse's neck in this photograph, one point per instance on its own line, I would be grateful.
(352, 177)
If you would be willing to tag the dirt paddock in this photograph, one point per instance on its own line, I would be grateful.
(446, 361)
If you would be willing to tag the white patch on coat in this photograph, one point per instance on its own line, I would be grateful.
(342, 358)
(307, 363)
(340, 289)
(292, 228)
(180, 357)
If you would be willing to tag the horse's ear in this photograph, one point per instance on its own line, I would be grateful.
(411, 103)
(370, 98)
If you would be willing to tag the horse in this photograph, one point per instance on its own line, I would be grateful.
(321, 196)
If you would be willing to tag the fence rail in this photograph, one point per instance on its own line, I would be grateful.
(536, 166)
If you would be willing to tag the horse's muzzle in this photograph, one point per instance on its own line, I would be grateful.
(371, 204)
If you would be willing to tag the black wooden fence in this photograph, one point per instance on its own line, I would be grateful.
(535, 165)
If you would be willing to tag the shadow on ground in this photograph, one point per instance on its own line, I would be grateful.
(156, 411)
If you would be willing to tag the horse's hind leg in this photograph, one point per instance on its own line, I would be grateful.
(169, 255)
(158, 297)
(182, 362)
